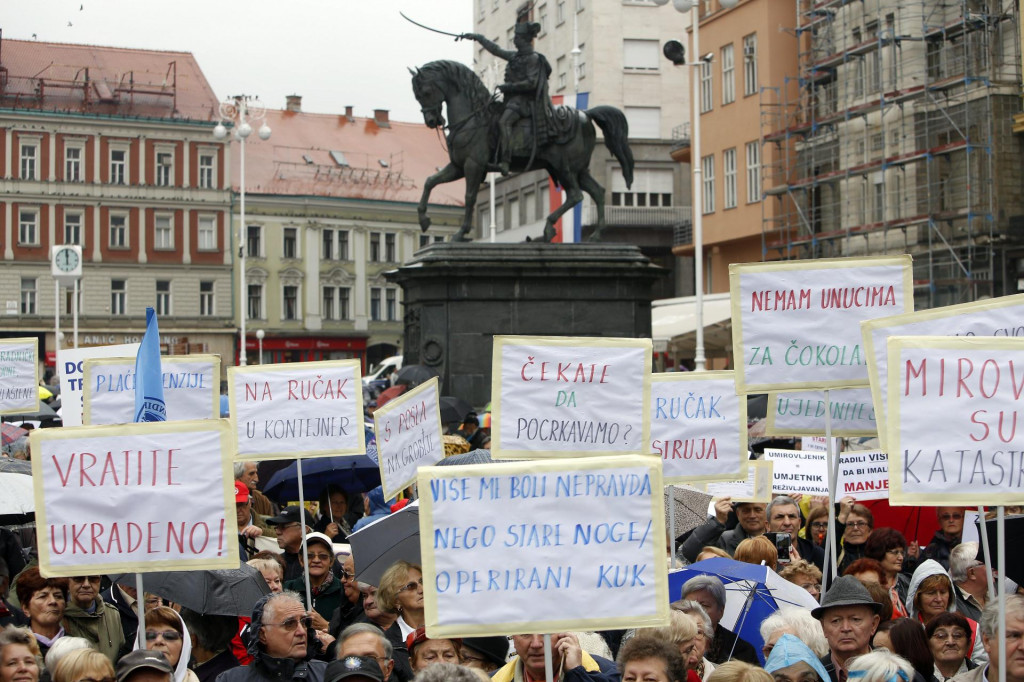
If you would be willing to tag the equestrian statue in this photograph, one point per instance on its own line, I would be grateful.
(520, 132)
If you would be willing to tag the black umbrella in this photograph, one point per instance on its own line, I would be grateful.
(1014, 547)
(45, 412)
(480, 456)
(225, 592)
(414, 375)
(454, 409)
(378, 545)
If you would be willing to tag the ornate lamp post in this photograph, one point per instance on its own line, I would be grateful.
(238, 111)
(259, 338)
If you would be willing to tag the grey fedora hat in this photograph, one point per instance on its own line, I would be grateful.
(846, 591)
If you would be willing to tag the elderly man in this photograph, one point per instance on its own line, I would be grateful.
(783, 514)
(712, 532)
(291, 524)
(575, 664)
(849, 618)
(246, 473)
(88, 616)
(351, 607)
(970, 578)
(990, 640)
(366, 639)
(951, 530)
(709, 592)
(281, 643)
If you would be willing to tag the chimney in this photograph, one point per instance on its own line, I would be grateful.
(293, 103)
(348, 113)
(380, 117)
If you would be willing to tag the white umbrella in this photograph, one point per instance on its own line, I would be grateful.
(16, 495)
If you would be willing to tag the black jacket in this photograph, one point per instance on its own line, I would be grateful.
(940, 548)
(722, 644)
(129, 621)
(712, 533)
(209, 670)
(266, 669)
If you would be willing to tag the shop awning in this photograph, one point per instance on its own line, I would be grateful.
(674, 326)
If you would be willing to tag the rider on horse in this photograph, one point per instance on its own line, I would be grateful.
(525, 87)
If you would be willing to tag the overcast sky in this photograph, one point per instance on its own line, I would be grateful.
(332, 52)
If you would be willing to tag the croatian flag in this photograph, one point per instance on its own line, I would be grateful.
(149, 384)
(570, 233)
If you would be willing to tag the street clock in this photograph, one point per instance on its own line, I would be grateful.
(66, 263)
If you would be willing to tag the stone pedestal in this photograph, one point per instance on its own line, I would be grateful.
(457, 296)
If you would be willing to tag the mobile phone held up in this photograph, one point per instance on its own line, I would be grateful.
(782, 542)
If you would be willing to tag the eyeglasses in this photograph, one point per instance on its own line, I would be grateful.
(168, 635)
(856, 524)
(822, 525)
(956, 635)
(292, 623)
(950, 517)
(412, 585)
(86, 579)
(345, 575)
(896, 551)
(318, 557)
(812, 587)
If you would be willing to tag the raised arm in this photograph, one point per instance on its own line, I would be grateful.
(490, 46)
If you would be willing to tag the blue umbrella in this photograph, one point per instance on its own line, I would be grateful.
(752, 593)
(351, 473)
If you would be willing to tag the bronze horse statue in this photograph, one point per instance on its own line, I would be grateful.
(471, 139)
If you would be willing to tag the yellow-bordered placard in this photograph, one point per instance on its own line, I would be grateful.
(960, 317)
(696, 447)
(118, 469)
(849, 405)
(399, 414)
(584, 481)
(10, 353)
(167, 363)
(970, 455)
(581, 434)
(811, 358)
(760, 470)
(320, 427)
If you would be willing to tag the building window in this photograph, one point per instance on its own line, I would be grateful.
(256, 301)
(28, 227)
(640, 55)
(73, 228)
(327, 250)
(343, 245)
(560, 70)
(28, 296)
(644, 122)
(874, 57)
(163, 233)
(374, 247)
(542, 19)
(750, 64)
(206, 298)
(728, 74)
(391, 304)
(118, 167)
(559, 12)
(73, 164)
(29, 159)
(163, 297)
(753, 172)
(254, 241)
(729, 177)
(389, 248)
(118, 232)
(707, 165)
(207, 233)
(69, 298)
(118, 296)
(291, 303)
(651, 188)
(706, 95)
(164, 168)
(290, 244)
(206, 162)
(375, 304)
(344, 293)
(329, 310)
(580, 5)
(581, 63)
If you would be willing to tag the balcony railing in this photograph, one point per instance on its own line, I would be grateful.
(641, 216)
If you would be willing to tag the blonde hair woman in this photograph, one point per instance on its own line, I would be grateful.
(83, 664)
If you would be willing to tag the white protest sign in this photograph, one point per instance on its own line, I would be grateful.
(409, 434)
(954, 408)
(570, 397)
(820, 443)
(19, 375)
(136, 498)
(803, 472)
(1000, 318)
(297, 409)
(796, 324)
(863, 475)
(548, 546)
(756, 487)
(71, 370)
(191, 388)
(803, 413)
(698, 426)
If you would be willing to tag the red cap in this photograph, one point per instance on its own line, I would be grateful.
(241, 492)
(419, 635)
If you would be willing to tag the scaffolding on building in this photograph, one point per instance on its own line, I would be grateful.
(902, 115)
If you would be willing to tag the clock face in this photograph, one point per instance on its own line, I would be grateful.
(67, 260)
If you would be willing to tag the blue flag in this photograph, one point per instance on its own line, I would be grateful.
(149, 380)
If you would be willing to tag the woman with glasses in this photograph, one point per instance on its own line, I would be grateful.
(947, 635)
(805, 575)
(889, 548)
(166, 632)
(816, 527)
(324, 588)
(83, 665)
(854, 524)
(932, 593)
(702, 640)
(19, 655)
(401, 591)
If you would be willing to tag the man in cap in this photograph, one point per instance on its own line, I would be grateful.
(366, 639)
(354, 669)
(88, 616)
(291, 524)
(566, 656)
(144, 665)
(849, 618)
(486, 654)
(712, 532)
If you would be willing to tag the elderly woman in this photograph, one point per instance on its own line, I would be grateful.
(424, 652)
(948, 635)
(681, 633)
(880, 666)
(649, 658)
(43, 600)
(804, 575)
(738, 671)
(791, 660)
(166, 632)
(401, 591)
(757, 550)
(854, 524)
(19, 655)
(931, 593)
(796, 621)
(696, 661)
(81, 665)
(888, 547)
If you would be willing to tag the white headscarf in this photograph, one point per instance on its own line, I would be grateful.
(181, 670)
